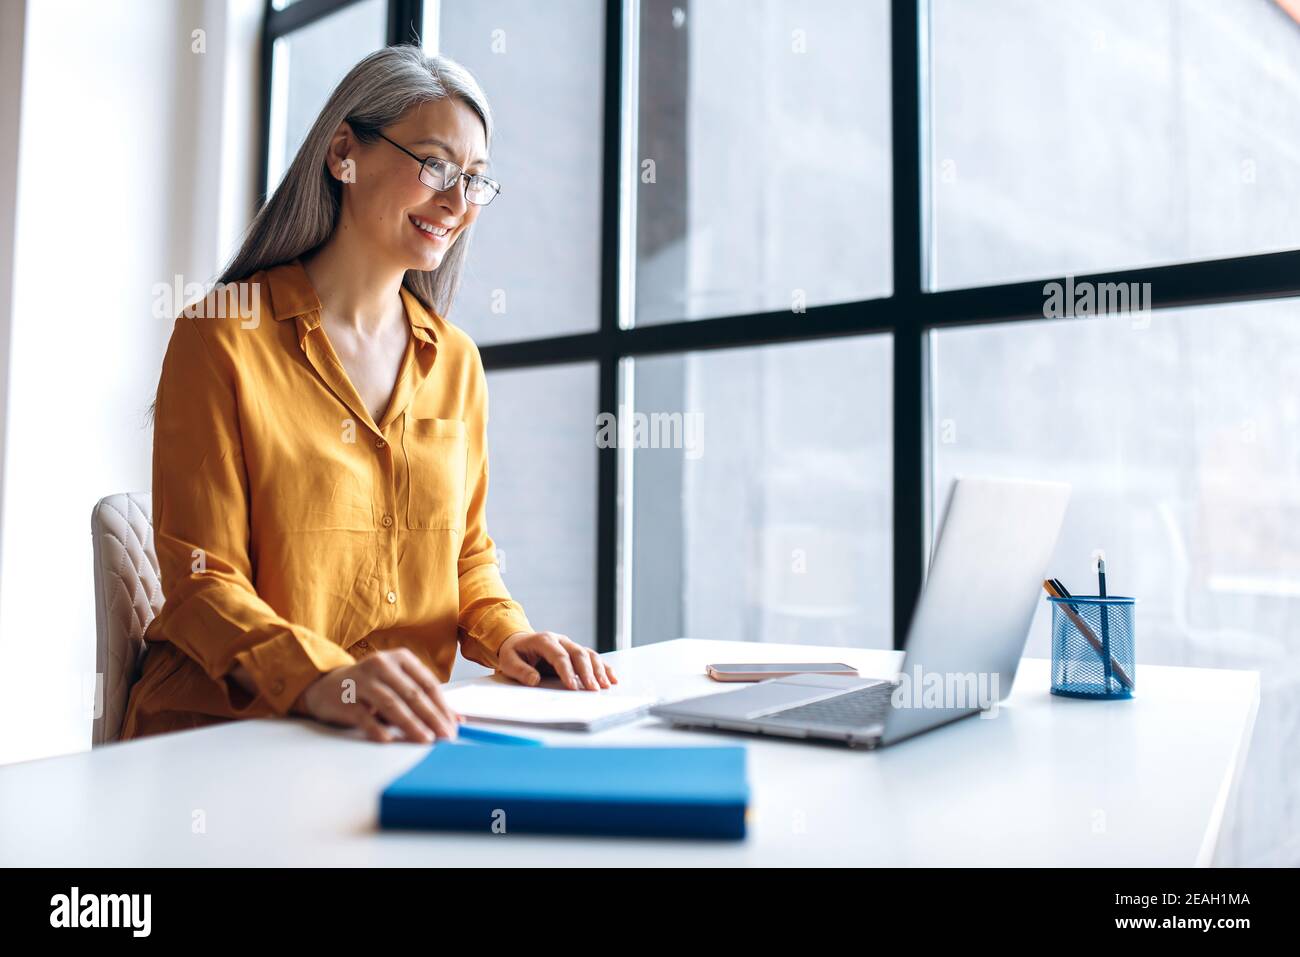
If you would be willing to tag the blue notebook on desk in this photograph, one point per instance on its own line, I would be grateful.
(664, 792)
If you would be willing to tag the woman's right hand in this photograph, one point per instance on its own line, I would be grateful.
(386, 690)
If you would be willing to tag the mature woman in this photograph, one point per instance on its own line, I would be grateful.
(320, 458)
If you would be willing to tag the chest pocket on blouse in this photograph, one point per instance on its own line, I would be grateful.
(437, 454)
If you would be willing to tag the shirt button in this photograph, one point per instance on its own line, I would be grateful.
(380, 443)
(277, 687)
(388, 520)
(392, 598)
(363, 643)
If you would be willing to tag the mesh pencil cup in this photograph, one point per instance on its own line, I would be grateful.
(1092, 647)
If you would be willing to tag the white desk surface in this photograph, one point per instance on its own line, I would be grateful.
(1050, 781)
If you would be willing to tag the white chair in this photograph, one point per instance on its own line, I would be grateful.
(128, 594)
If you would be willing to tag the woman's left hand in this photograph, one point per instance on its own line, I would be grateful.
(525, 656)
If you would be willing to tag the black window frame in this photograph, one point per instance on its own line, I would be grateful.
(907, 315)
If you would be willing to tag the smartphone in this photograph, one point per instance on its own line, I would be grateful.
(755, 672)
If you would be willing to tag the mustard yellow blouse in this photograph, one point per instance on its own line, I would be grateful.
(294, 533)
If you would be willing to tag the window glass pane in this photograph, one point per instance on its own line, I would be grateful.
(1082, 135)
(763, 156)
(307, 65)
(770, 518)
(535, 266)
(542, 495)
(1180, 433)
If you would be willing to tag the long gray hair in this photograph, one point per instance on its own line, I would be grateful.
(303, 210)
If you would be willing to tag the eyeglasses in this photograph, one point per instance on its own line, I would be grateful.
(440, 174)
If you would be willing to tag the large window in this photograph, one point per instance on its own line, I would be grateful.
(769, 519)
(542, 489)
(1081, 135)
(745, 114)
(542, 495)
(802, 252)
(535, 270)
(1180, 433)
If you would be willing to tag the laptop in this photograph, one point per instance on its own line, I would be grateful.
(963, 646)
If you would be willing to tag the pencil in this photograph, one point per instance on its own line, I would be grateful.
(1105, 623)
(1065, 659)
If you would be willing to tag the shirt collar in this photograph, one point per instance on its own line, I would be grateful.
(292, 294)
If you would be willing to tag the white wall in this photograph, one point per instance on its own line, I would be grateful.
(135, 163)
(12, 14)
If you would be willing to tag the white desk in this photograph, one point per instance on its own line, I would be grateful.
(1050, 781)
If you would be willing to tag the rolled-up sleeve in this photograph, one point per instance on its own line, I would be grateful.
(488, 614)
(212, 611)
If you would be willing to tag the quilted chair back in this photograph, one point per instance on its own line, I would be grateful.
(128, 594)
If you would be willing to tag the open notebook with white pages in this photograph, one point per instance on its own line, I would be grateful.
(546, 707)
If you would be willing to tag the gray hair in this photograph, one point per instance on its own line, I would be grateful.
(304, 208)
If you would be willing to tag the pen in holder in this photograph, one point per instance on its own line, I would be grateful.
(1092, 646)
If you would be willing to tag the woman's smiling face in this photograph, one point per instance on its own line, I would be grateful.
(391, 207)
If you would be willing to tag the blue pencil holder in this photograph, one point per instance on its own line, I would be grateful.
(1092, 647)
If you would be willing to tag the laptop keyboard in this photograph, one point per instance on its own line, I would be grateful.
(854, 709)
